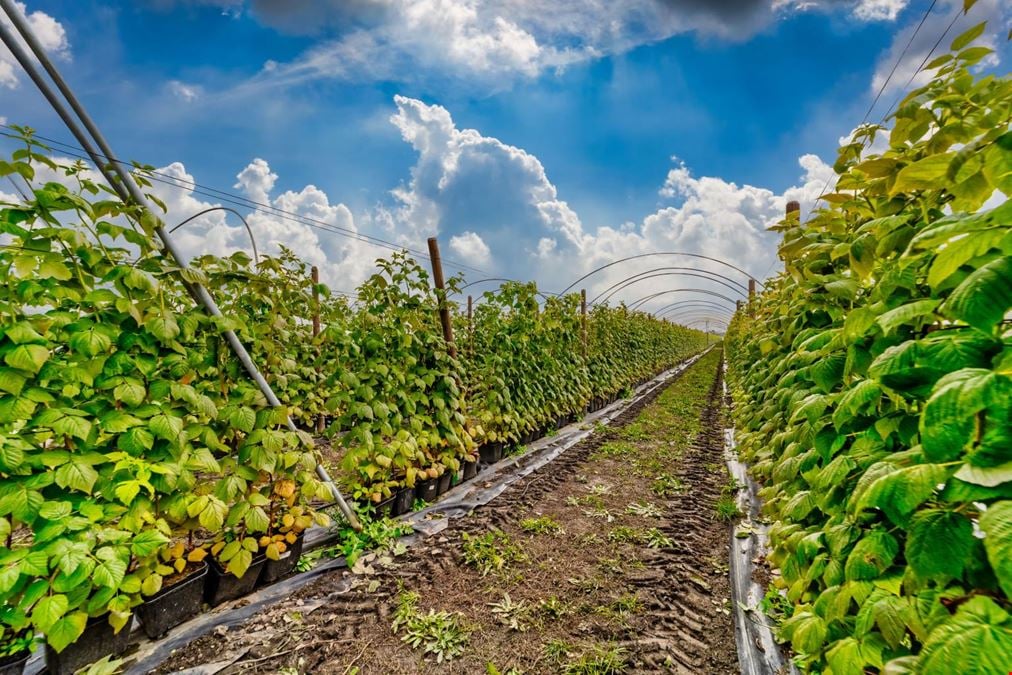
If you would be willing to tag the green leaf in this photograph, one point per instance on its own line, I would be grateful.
(109, 573)
(990, 476)
(899, 492)
(54, 269)
(959, 252)
(243, 418)
(164, 328)
(976, 641)
(871, 556)
(48, 611)
(147, 543)
(130, 392)
(72, 426)
(166, 427)
(933, 531)
(90, 342)
(968, 36)
(27, 357)
(996, 523)
(924, 174)
(66, 631)
(905, 314)
(77, 475)
(983, 298)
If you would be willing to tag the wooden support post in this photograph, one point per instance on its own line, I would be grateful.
(315, 273)
(583, 319)
(444, 311)
(751, 297)
(793, 211)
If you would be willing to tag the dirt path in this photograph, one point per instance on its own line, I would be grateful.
(611, 559)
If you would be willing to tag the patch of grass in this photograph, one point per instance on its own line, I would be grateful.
(621, 607)
(491, 551)
(634, 431)
(442, 634)
(598, 660)
(541, 525)
(666, 485)
(611, 565)
(727, 509)
(614, 449)
(557, 651)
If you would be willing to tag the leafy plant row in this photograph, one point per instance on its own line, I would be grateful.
(133, 448)
(873, 390)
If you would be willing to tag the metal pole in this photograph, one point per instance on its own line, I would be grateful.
(444, 311)
(134, 194)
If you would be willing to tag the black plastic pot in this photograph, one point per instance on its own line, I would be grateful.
(491, 452)
(223, 586)
(97, 641)
(404, 501)
(276, 569)
(426, 490)
(470, 470)
(385, 508)
(14, 664)
(444, 483)
(173, 605)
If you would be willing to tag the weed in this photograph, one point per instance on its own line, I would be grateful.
(491, 551)
(541, 525)
(654, 538)
(514, 615)
(490, 669)
(666, 485)
(553, 608)
(614, 449)
(599, 513)
(727, 509)
(645, 509)
(600, 489)
(621, 607)
(776, 606)
(375, 534)
(598, 661)
(623, 534)
(610, 565)
(557, 651)
(442, 634)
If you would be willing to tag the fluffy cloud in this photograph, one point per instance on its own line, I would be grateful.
(49, 32)
(997, 13)
(493, 41)
(470, 247)
(463, 179)
(480, 192)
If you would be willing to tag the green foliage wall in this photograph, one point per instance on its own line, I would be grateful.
(873, 390)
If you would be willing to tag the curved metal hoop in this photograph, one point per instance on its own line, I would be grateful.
(644, 255)
(693, 304)
(249, 230)
(629, 283)
(661, 269)
(638, 303)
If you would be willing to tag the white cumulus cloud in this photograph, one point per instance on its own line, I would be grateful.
(48, 30)
(470, 247)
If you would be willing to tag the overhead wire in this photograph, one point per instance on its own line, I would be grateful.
(246, 202)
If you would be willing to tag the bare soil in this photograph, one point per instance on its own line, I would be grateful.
(638, 573)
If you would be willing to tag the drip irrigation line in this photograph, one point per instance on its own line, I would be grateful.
(130, 192)
(239, 200)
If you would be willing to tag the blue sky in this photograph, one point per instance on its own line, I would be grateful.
(599, 128)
